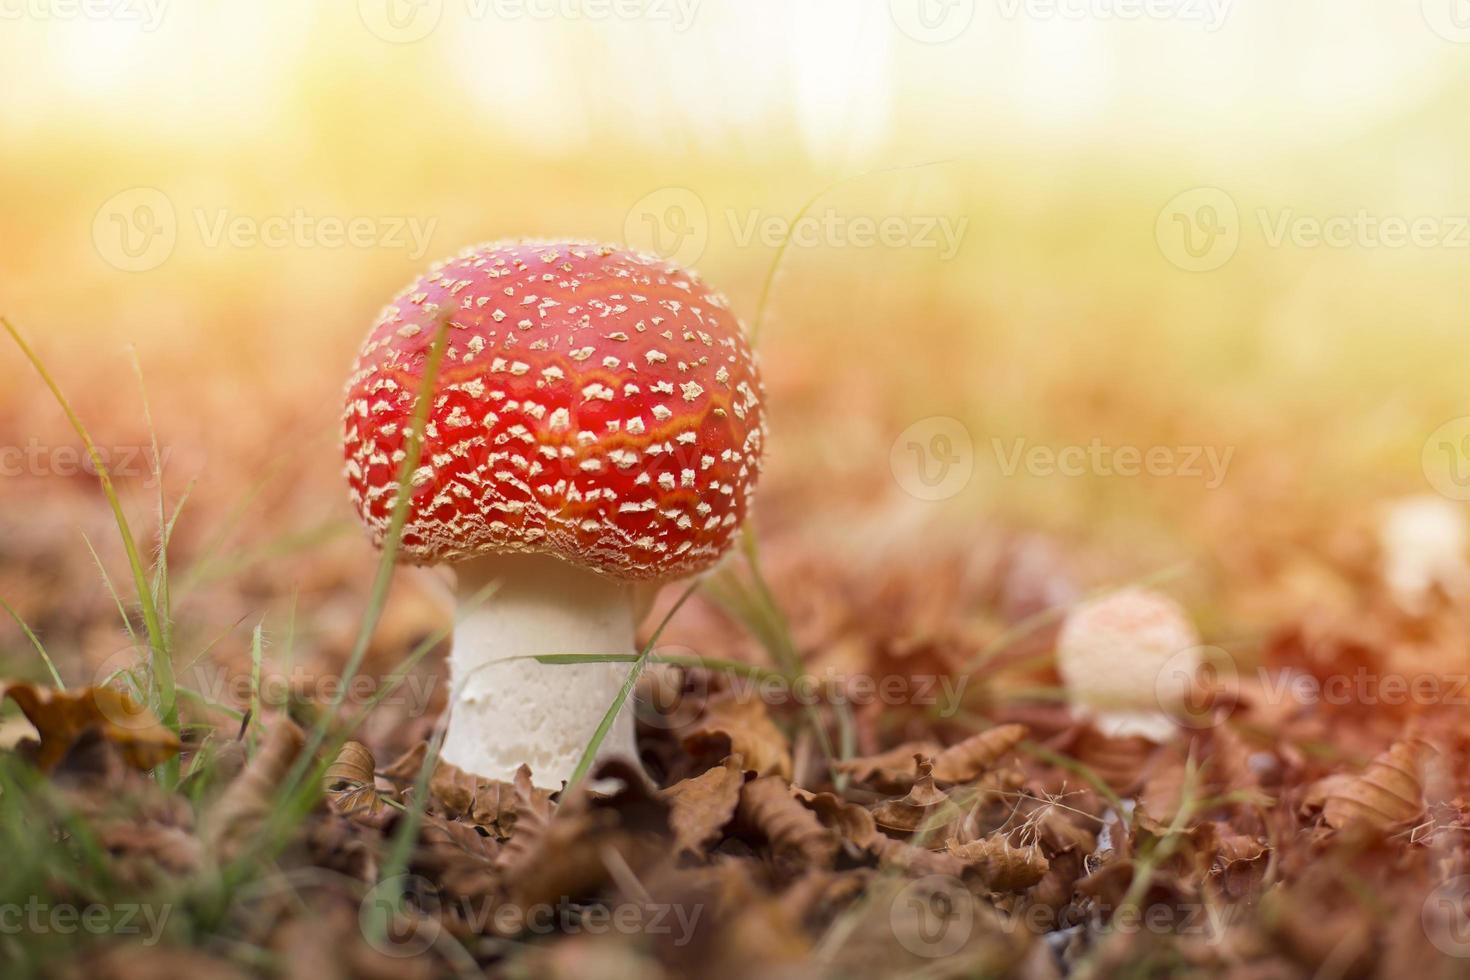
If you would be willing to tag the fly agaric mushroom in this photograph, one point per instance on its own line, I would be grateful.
(596, 428)
(1127, 659)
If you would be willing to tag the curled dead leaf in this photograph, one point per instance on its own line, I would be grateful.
(1389, 793)
(741, 726)
(349, 783)
(975, 756)
(702, 806)
(927, 810)
(999, 865)
(768, 808)
(61, 717)
(487, 803)
(245, 803)
(892, 771)
(852, 822)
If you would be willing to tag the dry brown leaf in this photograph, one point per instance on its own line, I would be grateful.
(741, 726)
(926, 809)
(1389, 793)
(892, 771)
(349, 783)
(458, 856)
(702, 806)
(974, 757)
(245, 803)
(793, 832)
(1000, 866)
(533, 811)
(488, 803)
(572, 854)
(1121, 763)
(61, 717)
(852, 822)
(405, 769)
(898, 856)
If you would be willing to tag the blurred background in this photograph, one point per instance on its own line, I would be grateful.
(1115, 283)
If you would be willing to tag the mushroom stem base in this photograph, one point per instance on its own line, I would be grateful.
(506, 711)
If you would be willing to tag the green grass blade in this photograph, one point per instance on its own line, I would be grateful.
(162, 667)
(35, 642)
(383, 578)
(257, 654)
(122, 610)
(160, 567)
(589, 754)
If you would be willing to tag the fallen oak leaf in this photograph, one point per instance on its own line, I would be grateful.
(571, 855)
(975, 756)
(1388, 794)
(701, 807)
(61, 717)
(852, 822)
(245, 803)
(770, 810)
(487, 803)
(927, 810)
(999, 865)
(741, 726)
(918, 861)
(892, 771)
(533, 812)
(349, 783)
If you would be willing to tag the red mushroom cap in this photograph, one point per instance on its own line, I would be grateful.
(593, 403)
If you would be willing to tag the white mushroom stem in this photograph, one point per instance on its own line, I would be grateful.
(506, 711)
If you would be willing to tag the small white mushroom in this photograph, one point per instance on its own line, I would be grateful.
(1423, 541)
(1126, 659)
